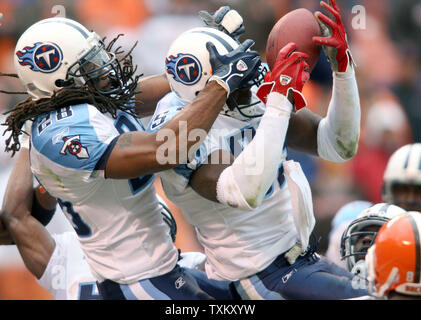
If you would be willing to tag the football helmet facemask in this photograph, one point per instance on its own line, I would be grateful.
(361, 233)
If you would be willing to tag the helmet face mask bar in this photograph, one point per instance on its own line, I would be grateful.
(235, 107)
(354, 240)
(353, 233)
(96, 65)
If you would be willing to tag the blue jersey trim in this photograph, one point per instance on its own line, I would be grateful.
(184, 171)
(102, 162)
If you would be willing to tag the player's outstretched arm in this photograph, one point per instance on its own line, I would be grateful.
(335, 137)
(244, 183)
(5, 237)
(137, 153)
(338, 134)
(34, 242)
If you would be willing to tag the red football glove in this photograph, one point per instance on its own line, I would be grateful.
(334, 39)
(288, 77)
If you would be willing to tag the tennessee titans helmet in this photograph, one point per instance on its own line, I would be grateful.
(403, 168)
(59, 52)
(367, 224)
(188, 68)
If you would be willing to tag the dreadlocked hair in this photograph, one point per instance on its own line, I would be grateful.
(29, 109)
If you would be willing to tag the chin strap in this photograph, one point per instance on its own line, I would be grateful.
(64, 83)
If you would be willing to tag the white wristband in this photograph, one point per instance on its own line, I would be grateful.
(228, 192)
(231, 21)
(278, 102)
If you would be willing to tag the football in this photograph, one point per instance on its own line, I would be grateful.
(298, 26)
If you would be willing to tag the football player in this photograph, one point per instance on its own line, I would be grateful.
(252, 210)
(401, 192)
(343, 217)
(402, 178)
(89, 151)
(360, 235)
(393, 261)
(57, 260)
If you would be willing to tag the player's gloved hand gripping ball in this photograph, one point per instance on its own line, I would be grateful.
(334, 39)
(290, 73)
(235, 69)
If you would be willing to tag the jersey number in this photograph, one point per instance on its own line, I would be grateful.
(61, 114)
(80, 226)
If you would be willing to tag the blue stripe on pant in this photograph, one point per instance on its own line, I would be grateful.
(177, 284)
(220, 290)
(310, 278)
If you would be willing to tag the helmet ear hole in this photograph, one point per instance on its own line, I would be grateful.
(63, 83)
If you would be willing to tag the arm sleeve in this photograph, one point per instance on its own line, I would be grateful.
(43, 215)
(338, 133)
(245, 183)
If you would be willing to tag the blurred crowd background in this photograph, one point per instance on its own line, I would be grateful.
(386, 48)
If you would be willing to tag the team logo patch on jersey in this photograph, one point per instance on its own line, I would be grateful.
(73, 146)
(41, 57)
(184, 68)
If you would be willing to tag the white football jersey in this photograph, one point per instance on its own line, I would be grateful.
(237, 243)
(118, 222)
(68, 276)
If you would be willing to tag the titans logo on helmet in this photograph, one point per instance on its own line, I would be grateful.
(185, 68)
(41, 57)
